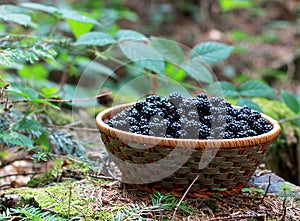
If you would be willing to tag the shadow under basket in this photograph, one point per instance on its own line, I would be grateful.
(172, 165)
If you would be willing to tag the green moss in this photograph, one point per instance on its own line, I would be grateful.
(41, 181)
(103, 216)
(81, 194)
(275, 109)
(282, 158)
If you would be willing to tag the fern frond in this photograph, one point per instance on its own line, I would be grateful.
(30, 213)
(30, 54)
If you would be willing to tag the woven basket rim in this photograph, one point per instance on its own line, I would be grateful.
(171, 142)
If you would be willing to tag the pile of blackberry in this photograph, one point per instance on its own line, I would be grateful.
(190, 118)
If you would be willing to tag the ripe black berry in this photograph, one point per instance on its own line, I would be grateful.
(190, 118)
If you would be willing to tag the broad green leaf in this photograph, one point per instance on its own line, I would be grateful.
(211, 52)
(79, 28)
(35, 72)
(143, 56)
(95, 38)
(291, 101)
(17, 139)
(222, 89)
(198, 71)
(12, 9)
(29, 93)
(43, 141)
(97, 68)
(169, 49)
(130, 35)
(16, 18)
(49, 92)
(229, 90)
(246, 190)
(73, 15)
(41, 7)
(41, 101)
(227, 5)
(245, 101)
(255, 89)
(26, 124)
(176, 73)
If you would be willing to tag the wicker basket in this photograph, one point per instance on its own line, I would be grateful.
(171, 165)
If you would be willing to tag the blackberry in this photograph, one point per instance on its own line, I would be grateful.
(267, 128)
(134, 113)
(143, 121)
(145, 129)
(258, 127)
(228, 135)
(204, 131)
(153, 99)
(181, 134)
(242, 116)
(202, 96)
(174, 127)
(132, 121)
(218, 102)
(175, 98)
(245, 110)
(232, 127)
(203, 105)
(193, 115)
(139, 105)
(178, 117)
(121, 125)
(134, 129)
(192, 129)
(206, 120)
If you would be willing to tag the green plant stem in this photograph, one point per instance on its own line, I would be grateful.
(54, 28)
(289, 119)
(69, 202)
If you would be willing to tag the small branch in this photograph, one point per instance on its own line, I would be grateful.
(289, 119)
(5, 163)
(20, 174)
(267, 190)
(61, 101)
(74, 128)
(184, 195)
(284, 206)
(101, 177)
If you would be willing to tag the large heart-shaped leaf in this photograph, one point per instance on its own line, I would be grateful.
(95, 39)
(143, 56)
(211, 52)
(291, 101)
(130, 35)
(169, 49)
(255, 89)
(198, 71)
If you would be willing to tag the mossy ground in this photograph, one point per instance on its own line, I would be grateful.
(67, 199)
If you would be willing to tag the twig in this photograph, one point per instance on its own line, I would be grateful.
(267, 190)
(20, 174)
(74, 128)
(231, 217)
(5, 163)
(60, 101)
(284, 207)
(184, 195)
(100, 177)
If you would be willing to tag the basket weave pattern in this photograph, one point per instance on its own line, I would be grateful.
(233, 163)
